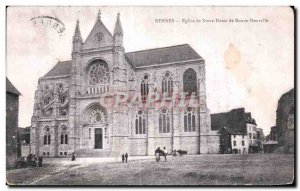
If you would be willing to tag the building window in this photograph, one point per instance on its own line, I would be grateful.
(96, 114)
(164, 121)
(48, 153)
(60, 153)
(65, 153)
(234, 143)
(167, 84)
(99, 73)
(189, 120)
(243, 143)
(243, 137)
(254, 135)
(233, 136)
(44, 153)
(145, 86)
(250, 136)
(90, 133)
(64, 135)
(190, 81)
(47, 136)
(140, 122)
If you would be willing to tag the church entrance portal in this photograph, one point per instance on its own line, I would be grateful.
(98, 138)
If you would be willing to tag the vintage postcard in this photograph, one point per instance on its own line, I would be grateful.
(140, 96)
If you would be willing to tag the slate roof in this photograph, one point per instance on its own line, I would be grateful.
(234, 121)
(60, 69)
(11, 88)
(162, 55)
(141, 58)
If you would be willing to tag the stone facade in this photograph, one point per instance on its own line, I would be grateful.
(85, 105)
(12, 119)
(285, 121)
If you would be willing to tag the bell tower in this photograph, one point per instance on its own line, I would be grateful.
(119, 69)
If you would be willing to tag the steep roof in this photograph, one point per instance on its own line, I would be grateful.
(11, 88)
(234, 121)
(140, 58)
(60, 69)
(162, 55)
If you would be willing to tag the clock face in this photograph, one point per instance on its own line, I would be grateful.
(99, 37)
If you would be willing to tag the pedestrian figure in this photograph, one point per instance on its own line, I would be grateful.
(126, 157)
(123, 157)
(40, 163)
(174, 153)
(35, 161)
(157, 154)
(165, 152)
(73, 157)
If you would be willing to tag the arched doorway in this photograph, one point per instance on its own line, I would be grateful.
(96, 123)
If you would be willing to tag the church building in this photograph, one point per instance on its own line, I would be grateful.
(150, 91)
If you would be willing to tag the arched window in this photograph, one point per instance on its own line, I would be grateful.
(140, 122)
(145, 86)
(167, 84)
(99, 73)
(64, 135)
(95, 114)
(190, 81)
(164, 121)
(47, 136)
(189, 120)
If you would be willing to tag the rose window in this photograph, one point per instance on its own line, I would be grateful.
(96, 116)
(99, 73)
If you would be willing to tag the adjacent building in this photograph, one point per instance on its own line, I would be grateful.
(285, 120)
(237, 130)
(69, 115)
(12, 118)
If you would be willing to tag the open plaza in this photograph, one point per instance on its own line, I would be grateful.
(251, 169)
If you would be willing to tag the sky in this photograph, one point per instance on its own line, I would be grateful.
(248, 64)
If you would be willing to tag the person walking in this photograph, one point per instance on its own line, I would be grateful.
(73, 157)
(126, 157)
(123, 157)
(165, 151)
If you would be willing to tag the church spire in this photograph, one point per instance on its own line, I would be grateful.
(118, 27)
(77, 40)
(77, 34)
(99, 15)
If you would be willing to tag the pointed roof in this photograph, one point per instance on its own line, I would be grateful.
(149, 57)
(11, 88)
(100, 32)
(118, 27)
(60, 69)
(77, 34)
(162, 55)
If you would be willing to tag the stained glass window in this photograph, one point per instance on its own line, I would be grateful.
(140, 122)
(167, 84)
(99, 73)
(189, 120)
(190, 81)
(164, 121)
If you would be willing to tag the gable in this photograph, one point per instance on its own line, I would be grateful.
(98, 37)
(11, 88)
(163, 55)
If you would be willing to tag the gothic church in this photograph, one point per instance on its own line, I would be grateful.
(69, 116)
